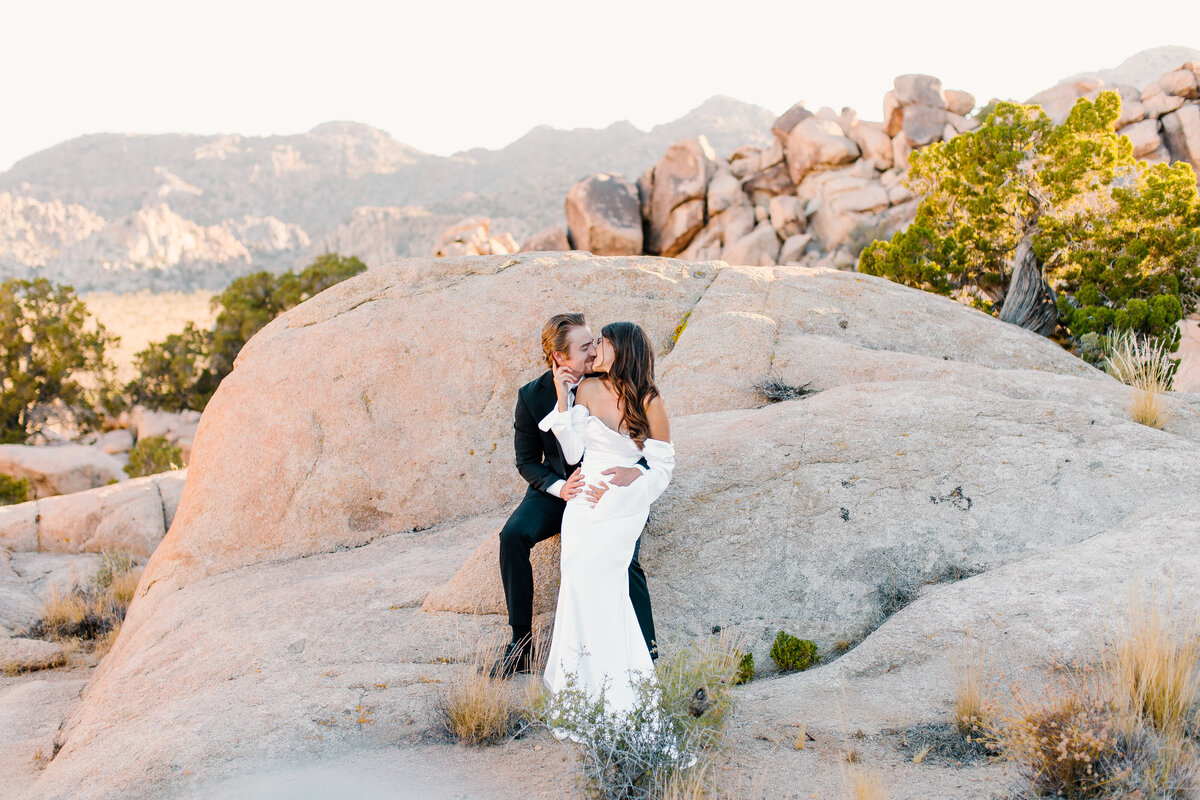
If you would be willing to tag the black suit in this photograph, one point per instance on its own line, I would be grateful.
(541, 463)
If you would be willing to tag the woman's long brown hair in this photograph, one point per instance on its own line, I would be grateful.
(631, 376)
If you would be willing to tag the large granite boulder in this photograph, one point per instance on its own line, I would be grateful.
(604, 216)
(330, 499)
(673, 195)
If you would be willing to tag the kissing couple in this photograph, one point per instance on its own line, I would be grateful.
(593, 441)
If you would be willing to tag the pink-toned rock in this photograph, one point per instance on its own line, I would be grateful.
(675, 203)
(476, 587)
(786, 215)
(1156, 102)
(1132, 109)
(30, 654)
(816, 143)
(901, 150)
(19, 527)
(126, 518)
(893, 113)
(1057, 101)
(919, 90)
(1181, 134)
(467, 238)
(1180, 83)
(552, 239)
(962, 124)
(745, 160)
(724, 191)
(923, 124)
(782, 127)
(759, 248)
(794, 247)
(873, 142)
(1144, 136)
(961, 103)
(604, 216)
(502, 243)
(61, 468)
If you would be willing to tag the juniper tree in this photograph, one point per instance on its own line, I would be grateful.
(54, 362)
(1051, 226)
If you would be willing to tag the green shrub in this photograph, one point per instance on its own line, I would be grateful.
(792, 654)
(745, 672)
(53, 360)
(153, 455)
(13, 490)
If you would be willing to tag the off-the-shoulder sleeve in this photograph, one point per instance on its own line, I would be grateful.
(568, 427)
(621, 500)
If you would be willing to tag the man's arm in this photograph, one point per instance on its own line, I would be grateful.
(527, 442)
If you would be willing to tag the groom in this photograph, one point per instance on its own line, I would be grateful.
(566, 341)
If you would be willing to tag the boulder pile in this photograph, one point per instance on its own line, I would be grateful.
(830, 183)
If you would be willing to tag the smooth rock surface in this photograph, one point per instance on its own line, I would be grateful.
(60, 469)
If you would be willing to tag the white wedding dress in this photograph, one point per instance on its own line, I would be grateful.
(596, 634)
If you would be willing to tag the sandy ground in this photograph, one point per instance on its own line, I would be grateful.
(143, 317)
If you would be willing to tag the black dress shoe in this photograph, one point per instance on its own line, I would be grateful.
(518, 657)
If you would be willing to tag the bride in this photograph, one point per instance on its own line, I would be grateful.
(616, 419)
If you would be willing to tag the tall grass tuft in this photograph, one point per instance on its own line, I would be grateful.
(864, 784)
(1147, 367)
(1154, 663)
(970, 697)
(476, 708)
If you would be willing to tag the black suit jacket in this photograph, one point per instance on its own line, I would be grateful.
(540, 458)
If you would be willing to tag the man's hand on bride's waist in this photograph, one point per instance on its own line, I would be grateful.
(622, 476)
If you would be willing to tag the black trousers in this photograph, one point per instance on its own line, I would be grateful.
(538, 517)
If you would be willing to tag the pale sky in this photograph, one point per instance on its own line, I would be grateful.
(445, 76)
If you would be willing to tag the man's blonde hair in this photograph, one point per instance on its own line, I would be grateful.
(554, 334)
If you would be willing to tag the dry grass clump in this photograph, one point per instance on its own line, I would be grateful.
(1125, 730)
(476, 708)
(1154, 663)
(864, 784)
(1146, 366)
(774, 389)
(970, 696)
(93, 611)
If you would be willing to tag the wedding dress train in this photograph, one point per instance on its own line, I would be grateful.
(596, 638)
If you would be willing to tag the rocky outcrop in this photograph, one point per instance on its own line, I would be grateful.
(604, 216)
(549, 239)
(473, 237)
(129, 517)
(941, 443)
(60, 468)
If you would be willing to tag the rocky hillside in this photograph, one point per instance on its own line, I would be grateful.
(318, 580)
(178, 211)
(124, 212)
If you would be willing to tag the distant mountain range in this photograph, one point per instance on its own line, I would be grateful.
(124, 212)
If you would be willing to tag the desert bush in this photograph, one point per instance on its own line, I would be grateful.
(152, 455)
(1063, 742)
(677, 719)
(791, 653)
(1112, 242)
(13, 490)
(52, 362)
(1126, 730)
(1145, 365)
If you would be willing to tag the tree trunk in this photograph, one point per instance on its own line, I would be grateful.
(1029, 301)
